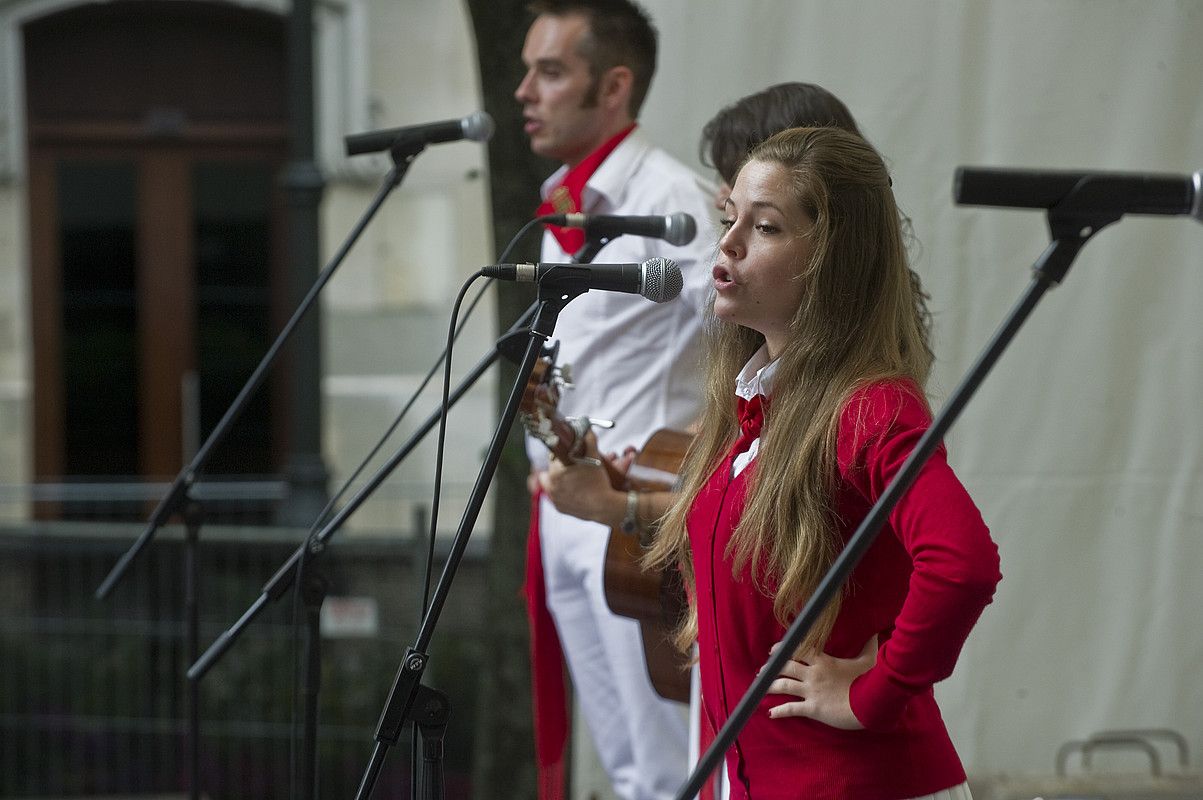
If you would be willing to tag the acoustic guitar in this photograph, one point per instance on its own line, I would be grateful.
(656, 599)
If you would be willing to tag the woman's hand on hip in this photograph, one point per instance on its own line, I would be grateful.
(822, 683)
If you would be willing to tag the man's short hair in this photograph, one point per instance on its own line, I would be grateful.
(621, 34)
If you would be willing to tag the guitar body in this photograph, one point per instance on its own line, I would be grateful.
(655, 599)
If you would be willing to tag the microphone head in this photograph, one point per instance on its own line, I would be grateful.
(679, 229)
(661, 279)
(477, 126)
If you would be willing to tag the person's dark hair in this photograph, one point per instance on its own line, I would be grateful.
(736, 129)
(621, 34)
(740, 126)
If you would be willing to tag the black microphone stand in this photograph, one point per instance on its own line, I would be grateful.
(406, 689)
(1081, 214)
(179, 497)
(315, 544)
(313, 585)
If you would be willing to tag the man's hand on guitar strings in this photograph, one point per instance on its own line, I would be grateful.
(583, 489)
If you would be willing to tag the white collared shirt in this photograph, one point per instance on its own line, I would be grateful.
(636, 362)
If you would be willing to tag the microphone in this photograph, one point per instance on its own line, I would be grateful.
(477, 126)
(677, 229)
(657, 279)
(1120, 192)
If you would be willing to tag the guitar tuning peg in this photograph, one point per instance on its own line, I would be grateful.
(564, 373)
(581, 426)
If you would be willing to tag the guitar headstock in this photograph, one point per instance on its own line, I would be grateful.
(540, 413)
(539, 408)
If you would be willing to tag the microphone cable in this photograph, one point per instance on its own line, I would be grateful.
(323, 516)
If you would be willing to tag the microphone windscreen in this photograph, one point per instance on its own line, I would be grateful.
(478, 126)
(680, 229)
(662, 280)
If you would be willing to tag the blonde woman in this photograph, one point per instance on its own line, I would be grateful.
(814, 398)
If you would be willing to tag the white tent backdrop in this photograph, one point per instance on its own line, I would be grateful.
(1083, 448)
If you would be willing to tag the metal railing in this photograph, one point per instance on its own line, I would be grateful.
(93, 695)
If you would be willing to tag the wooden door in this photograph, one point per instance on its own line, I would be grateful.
(157, 132)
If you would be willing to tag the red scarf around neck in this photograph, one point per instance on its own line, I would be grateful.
(565, 198)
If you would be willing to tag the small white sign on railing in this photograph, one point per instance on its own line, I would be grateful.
(350, 616)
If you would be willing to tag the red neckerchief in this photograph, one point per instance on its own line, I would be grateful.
(565, 198)
(751, 420)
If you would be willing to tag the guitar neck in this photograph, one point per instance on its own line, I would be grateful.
(564, 443)
(542, 418)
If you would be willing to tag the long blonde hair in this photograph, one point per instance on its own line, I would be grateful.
(861, 320)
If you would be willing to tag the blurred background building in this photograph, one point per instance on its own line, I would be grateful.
(147, 153)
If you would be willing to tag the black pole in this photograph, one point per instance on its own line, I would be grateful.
(304, 470)
(313, 593)
(193, 518)
(406, 684)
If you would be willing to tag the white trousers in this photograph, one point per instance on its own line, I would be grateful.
(641, 738)
(959, 792)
